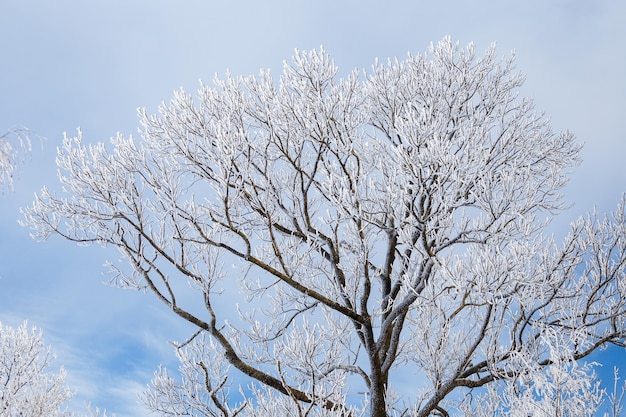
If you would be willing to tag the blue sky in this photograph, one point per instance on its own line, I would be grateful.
(71, 63)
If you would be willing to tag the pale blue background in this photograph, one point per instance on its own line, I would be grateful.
(92, 63)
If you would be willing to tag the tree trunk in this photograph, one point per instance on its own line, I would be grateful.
(378, 401)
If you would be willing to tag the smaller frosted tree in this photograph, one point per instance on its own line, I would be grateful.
(13, 145)
(27, 387)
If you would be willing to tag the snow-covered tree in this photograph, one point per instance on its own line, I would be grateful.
(27, 386)
(367, 245)
(13, 145)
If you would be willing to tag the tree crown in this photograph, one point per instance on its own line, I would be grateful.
(381, 224)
